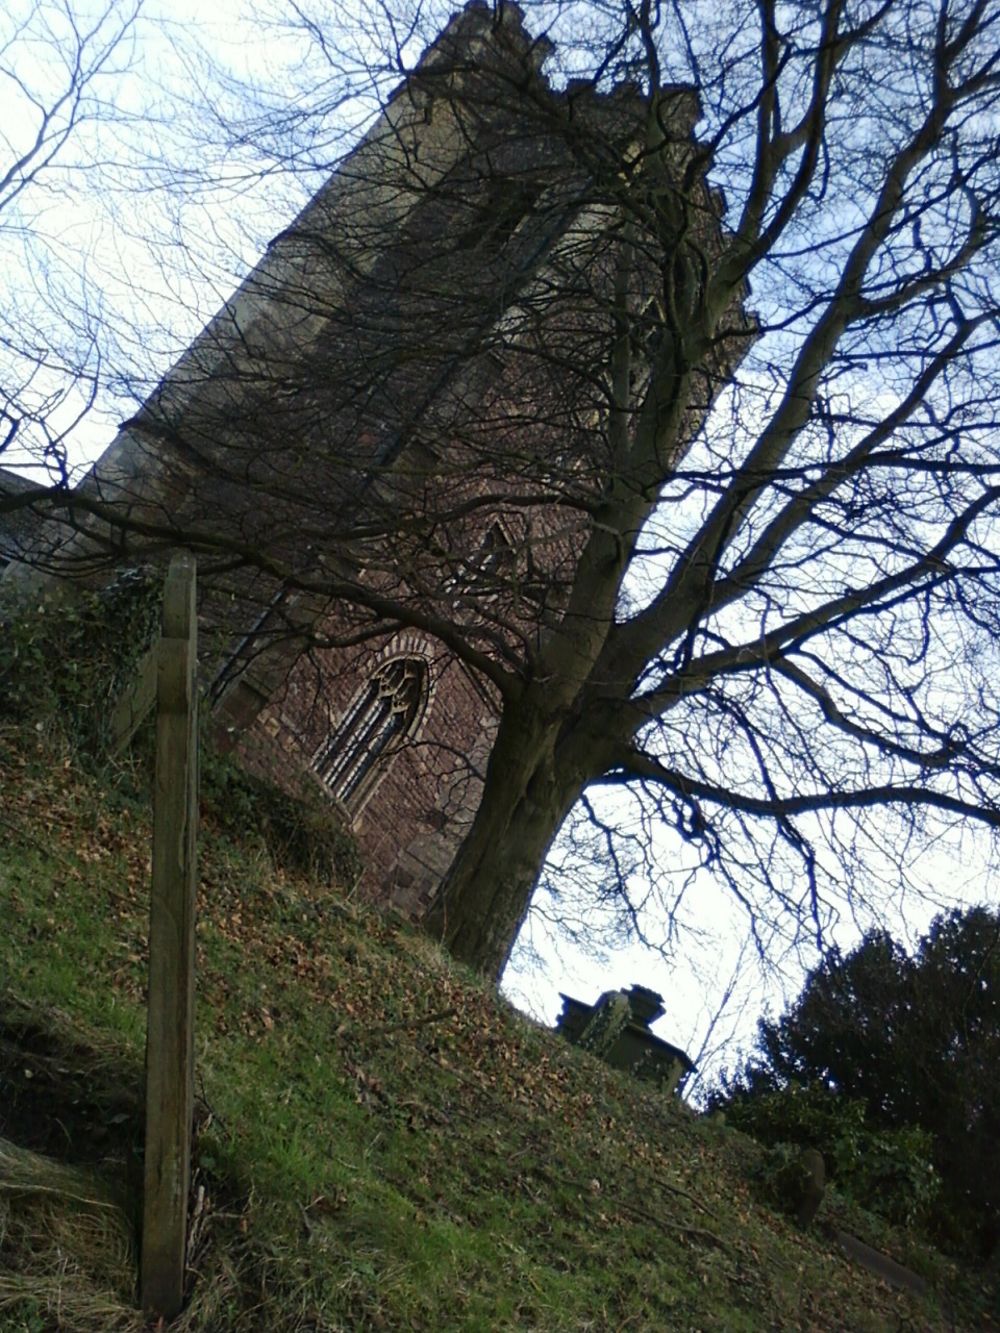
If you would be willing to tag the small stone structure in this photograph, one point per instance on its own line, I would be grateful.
(617, 1030)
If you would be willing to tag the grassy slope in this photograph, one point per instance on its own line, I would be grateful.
(382, 1144)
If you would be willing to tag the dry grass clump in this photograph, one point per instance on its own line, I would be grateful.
(67, 1245)
(68, 1255)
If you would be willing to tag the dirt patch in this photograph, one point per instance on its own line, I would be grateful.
(65, 1099)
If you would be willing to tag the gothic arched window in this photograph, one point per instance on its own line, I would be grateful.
(381, 718)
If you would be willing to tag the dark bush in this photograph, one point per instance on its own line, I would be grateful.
(888, 1171)
(302, 832)
(914, 1039)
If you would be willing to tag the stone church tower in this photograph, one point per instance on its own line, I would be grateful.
(401, 398)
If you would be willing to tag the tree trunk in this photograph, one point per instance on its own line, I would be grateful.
(486, 893)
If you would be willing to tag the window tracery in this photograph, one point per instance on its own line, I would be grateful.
(381, 718)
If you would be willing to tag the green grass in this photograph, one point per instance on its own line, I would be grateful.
(381, 1143)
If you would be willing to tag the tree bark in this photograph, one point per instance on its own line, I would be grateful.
(530, 788)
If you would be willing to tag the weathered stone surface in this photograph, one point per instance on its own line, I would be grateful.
(813, 1170)
(616, 1029)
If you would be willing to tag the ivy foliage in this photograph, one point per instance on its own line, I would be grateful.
(64, 661)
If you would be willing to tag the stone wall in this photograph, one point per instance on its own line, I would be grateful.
(423, 796)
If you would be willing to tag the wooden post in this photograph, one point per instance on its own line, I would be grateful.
(170, 1022)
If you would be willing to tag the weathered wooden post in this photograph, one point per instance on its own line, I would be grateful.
(170, 1030)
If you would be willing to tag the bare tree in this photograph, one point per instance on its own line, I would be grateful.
(59, 68)
(109, 144)
(747, 581)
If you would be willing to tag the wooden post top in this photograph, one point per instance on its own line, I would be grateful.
(179, 597)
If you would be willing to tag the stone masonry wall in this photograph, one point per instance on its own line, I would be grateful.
(424, 795)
